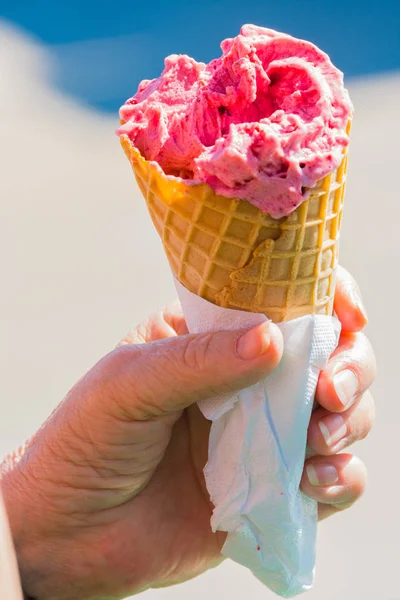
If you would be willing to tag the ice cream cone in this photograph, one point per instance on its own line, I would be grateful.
(232, 254)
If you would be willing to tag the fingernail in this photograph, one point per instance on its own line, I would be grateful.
(346, 386)
(255, 342)
(321, 475)
(333, 428)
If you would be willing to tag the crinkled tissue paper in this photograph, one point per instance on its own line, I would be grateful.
(257, 448)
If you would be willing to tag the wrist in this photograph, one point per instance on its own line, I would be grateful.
(57, 560)
(18, 516)
(37, 554)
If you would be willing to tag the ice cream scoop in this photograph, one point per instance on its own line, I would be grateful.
(264, 122)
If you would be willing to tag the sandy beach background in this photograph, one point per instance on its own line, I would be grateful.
(80, 264)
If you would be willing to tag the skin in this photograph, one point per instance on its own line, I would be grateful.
(108, 498)
(9, 580)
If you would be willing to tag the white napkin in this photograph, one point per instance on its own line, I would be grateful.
(257, 449)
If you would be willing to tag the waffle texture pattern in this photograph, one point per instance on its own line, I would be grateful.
(232, 254)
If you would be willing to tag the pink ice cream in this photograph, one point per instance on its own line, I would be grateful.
(262, 123)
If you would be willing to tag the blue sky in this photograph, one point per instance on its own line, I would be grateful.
(102, 52)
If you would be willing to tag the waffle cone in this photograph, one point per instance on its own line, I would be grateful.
(233, 255)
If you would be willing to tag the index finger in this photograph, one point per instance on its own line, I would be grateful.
(165, 323)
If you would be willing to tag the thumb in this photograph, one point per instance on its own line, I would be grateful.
(163, 377)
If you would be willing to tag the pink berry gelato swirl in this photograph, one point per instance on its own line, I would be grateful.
(263, 123)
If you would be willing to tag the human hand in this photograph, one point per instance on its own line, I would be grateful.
(109, 496)
(345, 411)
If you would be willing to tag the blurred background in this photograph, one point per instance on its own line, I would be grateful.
(80, 262)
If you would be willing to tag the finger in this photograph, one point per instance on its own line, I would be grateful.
(349, 373)
(330, 433)
(335, 483)
(173, 316)
(167, 322)
(348, 305)
(150, 380)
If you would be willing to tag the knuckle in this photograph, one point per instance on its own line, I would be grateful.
(113, 371)
(138, 335)
(358, 488)
(368, 426)
(360, 421)
(129, 338)
(196, 351)
(366, 349)
(356, 353)
(366, 355)
(117, 365)
(136, 392)
(369, 415)
(359, 477)
(349, 283)
(125, 354)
